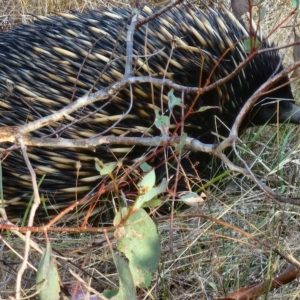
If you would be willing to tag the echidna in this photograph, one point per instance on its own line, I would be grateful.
(50, 63)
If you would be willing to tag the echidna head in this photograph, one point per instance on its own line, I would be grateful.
(278, 111)
(275, 107)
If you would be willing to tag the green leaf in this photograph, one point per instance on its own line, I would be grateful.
(192, 199)
(28, 207)
(145, 167)
(262, 12)
(150, 194)
(47, 278)
(205, 108)
(138, 240)
(155, 202)
(162, 123)
(251, 43)
(147, 181)
(182, 143)
(110, 293)
(296, 3)
(127, 288)
(173, 100)
(214, 287)
(105, 169)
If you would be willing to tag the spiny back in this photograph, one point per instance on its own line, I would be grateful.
(50, 63)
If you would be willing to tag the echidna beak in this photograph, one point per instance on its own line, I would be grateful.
(292, 115)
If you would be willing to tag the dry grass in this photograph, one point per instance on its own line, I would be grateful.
(201, 259)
